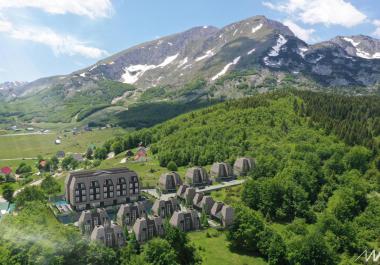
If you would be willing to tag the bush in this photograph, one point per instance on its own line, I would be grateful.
(172, 166)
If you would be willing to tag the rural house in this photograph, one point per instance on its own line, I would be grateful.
(169, 182)
(111, 235)
(222, 213)
(88, 220)
(221, 171)
(186, 194)
(146, 228)
(186, 220)
(203, 203)
(243, 166)
(197, 177)
(128, 213)
(165, 208)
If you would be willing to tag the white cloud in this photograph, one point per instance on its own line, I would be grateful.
(90, 8)
(60, 44)
(328, 12)
(376, 33)
(302, 33)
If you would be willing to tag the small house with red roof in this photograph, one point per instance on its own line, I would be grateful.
(5, 171)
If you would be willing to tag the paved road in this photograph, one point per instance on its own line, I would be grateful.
(21, 134)
(222, 185)
(23, 158)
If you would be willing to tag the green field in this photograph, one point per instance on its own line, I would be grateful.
(149, 172)
(30, 146)
(215, 249)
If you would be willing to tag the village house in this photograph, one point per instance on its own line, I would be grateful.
(243, 166)
(100, 188)
(186, 194)
(88, 220)
(165, 208)
(146, 228)
(5, 171)
(186, 220)
(128, 213)
(169, 182)
(110, 236)
(203, 203)
(197, 177)
(222, 213)
(221, 171)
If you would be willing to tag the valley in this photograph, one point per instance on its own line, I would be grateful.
(139, 157)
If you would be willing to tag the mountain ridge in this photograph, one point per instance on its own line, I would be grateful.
(201, 64)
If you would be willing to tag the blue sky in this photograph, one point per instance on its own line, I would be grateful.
(41, 38)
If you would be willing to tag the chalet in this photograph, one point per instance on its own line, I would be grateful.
(186, 194)
(222, 213)
(130, 212)
(146, 228)
(197, 177)
(221, 171)
(186, 220)
(88, 220)
(165, 208)
(169, 182)
(98, 188)
(110, 236)
(243, 166)
(203, 203)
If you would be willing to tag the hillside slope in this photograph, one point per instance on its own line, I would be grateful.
(251, 56)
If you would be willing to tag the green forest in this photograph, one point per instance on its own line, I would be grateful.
(312, 198)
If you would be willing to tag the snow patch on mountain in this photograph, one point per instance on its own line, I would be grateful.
(354, 43)
(183, 62)
(251, 51)
(208, 54)
(257, 28)
(133, 73)
(281, 41)
(168, 60)
(225, 69)
(302, 51)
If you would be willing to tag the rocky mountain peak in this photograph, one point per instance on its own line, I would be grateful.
(359, 45)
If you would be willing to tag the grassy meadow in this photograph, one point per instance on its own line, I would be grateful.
(214, 249)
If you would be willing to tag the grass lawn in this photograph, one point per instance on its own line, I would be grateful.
(30, 146)
(149, 172)
(228, 195)
(215, 250)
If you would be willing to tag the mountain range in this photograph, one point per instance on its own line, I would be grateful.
(203, 63)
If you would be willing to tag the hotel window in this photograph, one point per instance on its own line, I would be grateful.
(121, 187)
(150, 231)
(80, 192)
(94, 190)
(108, 189)
(108, 239)
(134, 185)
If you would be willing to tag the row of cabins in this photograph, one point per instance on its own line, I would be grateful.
(216, 210)
(97, 226)
(198, 176)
